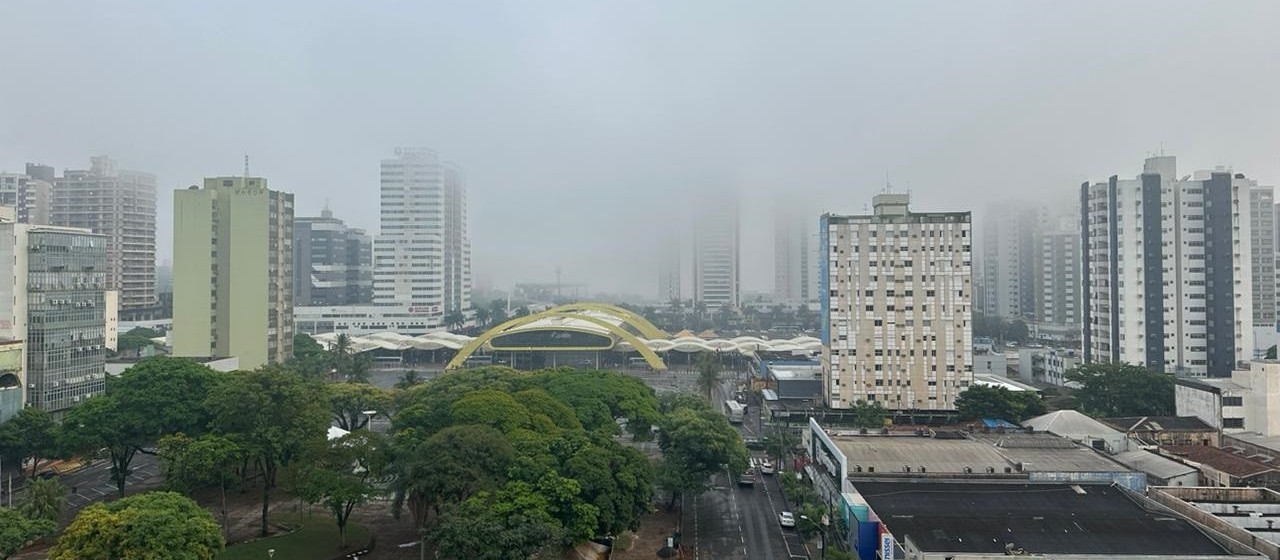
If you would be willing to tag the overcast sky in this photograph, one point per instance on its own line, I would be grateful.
(582, 126)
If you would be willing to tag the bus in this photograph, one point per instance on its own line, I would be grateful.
(735, 411)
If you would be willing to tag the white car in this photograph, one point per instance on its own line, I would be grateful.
(766, 467)
(786, 519)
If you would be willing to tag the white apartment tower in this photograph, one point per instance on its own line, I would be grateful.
(716, 256)
(1009, 253)
(795, 255)
(1167, 267)
(896, 305)
(422, 255)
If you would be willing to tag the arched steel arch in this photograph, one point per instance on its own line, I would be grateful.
(646, 328)
(647, 353)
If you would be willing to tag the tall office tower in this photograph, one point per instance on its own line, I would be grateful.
(896, 306)
(1167, 263)
(10, 185)
(670, 271)
(716, 247)
(121, 205)
(333, 264)
(795, 254)
(233, 271)
(1009, 254)
(41, 172)
(52, 295)
(30, 198)
(422, 255)
(1056, 279)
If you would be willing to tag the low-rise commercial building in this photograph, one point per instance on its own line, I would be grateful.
(13, 393)
(1247, 515)
(1224, 467)
(1248, 401)
(1166, 430)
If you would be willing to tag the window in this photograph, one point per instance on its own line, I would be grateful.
(1233, 422)
(1232, 401)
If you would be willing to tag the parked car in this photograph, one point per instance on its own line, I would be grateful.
(786, 519)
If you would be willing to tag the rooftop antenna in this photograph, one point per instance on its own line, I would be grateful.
(246, 169)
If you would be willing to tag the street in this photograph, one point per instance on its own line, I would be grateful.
(734, 522)
(93, 481)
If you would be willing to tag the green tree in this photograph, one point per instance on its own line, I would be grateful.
(349, 404)
(44, 499)
(409, 379)
(18, 530)
(210, 459)
(273, 414)
(980, 401)
(449, 466)
(696, 444)
(32, 434)
(869, 415)
(156, 397)
(135, 340)
(513, 523)
(309, 358)
(522, 311)
(779, 442)
(708, 372)
(341, 475)
(1122, 390)
(454, 320)
(483, 316)
(1017, 331)
(152, 525)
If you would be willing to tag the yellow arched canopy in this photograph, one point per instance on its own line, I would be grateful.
(568, 311)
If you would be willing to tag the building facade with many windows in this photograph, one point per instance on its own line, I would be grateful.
(333, 263)
(897, 307)
(716, 254)
(53, 298)
(233, 271)
(1167, 270)
(422, 254)
(120, 205)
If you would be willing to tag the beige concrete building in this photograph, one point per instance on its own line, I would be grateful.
(120, 205)
(233, 284)
(897, 298)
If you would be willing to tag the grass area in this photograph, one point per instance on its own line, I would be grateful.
(316, 539)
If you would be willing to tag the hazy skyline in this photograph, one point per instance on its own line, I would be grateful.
(585, 128)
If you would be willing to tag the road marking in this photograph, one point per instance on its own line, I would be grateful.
(742, 534)
(774, 509)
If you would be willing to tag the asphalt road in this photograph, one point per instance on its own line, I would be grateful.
(93, 481)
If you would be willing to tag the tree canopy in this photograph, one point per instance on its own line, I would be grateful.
(697, 442)
(31, 434)
(1122, 390)
(273, 414)
(18, 529)
(150, 525)
(470, 444)
(981, 401)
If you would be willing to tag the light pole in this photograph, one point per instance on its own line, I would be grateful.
(369, 414)
(822, 532)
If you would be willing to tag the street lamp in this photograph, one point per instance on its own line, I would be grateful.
(822, 532)
(370, 414)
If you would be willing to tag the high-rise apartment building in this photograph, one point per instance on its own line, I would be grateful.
(716, 247)
(1262, 224)
(670, 271)
(31, 199)
(896, 306)
(120, 205)
(1167, 261)
(233, 271)
(422, 255)
(1056, 280)
(52, 295)
(1009, 254)
(795, 255)
(333, 263)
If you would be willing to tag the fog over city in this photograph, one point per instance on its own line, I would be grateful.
(589, 131)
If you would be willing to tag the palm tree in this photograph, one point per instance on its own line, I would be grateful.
(340, 354)
(708, 372)
(409, 379)
(483, 316)
(453, 321)
(44, 499)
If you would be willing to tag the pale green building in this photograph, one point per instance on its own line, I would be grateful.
(233, 271)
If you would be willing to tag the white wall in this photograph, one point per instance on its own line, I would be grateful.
(1204, 405)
